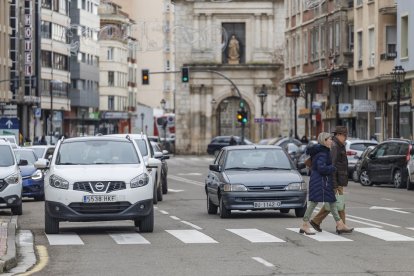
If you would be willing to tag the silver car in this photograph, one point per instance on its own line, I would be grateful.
(354, 149)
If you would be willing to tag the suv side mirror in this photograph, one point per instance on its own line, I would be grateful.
(41, 163)
(214, 167)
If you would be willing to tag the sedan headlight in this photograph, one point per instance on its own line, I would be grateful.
(37, 175)
(140, 180)
(58, 182)
(13, 178)
(296, 186)
(234, 188)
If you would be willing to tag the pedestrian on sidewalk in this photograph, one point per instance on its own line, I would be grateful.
(340, 176)
(320, 184)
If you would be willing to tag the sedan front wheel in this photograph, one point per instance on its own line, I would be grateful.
(224, 212)
(211, 207)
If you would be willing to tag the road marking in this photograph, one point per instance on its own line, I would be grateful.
(41, 264)
(189, 174)
(128, 238)
(410, 228)
(392, 209)
(322, 236)
(388, 199)
(163, 212)
(192, 225)
(262, 261)
(175, 218)
(383, 234)
(175, 191)
(191, 236)
(181, 179)
(255, 235)
(375, 221)
(64, 239)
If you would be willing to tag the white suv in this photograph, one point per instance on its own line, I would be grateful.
(10, 179)
(97, 178)
(149, 155)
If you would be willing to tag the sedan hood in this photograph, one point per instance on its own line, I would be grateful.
(98, 172)
(263, 177)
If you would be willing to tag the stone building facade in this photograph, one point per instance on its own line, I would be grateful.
(207, 105)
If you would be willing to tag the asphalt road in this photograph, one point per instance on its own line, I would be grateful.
(188, 241)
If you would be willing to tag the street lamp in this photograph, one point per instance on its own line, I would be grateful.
(398, 75)
(337, 83)
(262, 97)
(142, 122)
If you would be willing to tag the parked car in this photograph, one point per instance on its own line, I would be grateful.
(301, 161)
(254, 178)
(97, 178)
(387, 163)
(11, 139)
(164, 166)
(10, 179)
(217, 143)
(43, 151)
(357, 170)
(32, 178)
(148, 154)
(354, 149)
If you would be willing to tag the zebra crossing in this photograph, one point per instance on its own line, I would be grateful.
(251, 235)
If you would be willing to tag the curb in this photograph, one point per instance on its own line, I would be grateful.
(9, 260)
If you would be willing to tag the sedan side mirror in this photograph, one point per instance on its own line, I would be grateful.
(41, 163)
(23, 162)
(214, 167)
(301, 166)
(157, 154)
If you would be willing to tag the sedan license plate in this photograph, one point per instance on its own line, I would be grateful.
(267, 204)
(98, 198)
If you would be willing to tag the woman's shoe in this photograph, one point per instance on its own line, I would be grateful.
(315, 226)
(303, 231)
(344, 231)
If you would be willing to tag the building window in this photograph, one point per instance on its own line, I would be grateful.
(46, 59)
(391, 39)
(56, 5)
(111, 78)
(305, 47)
(83, 4)
(351, 38)
(323, 42)
(360, 50)
(404, 37)
(47, 4)
(60, 62)
(110, 55)
(337, 37)
(111, 103)
(371, 41)
(46, 29)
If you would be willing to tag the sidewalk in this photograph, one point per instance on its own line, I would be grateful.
(8, 225)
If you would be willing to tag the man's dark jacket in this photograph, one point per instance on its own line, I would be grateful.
(340, 161)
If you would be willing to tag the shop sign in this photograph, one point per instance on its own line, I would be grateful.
(365, 106)
(345, 109)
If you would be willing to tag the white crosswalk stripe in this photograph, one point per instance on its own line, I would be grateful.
(64, 239)
(383, 234)
(191, 236)
(128, 238)
(255, 235)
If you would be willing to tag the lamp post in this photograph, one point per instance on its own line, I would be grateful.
(337, 84)
(164, 124)
(262, 97)
(142, 122)
(52, 82)
(398, 74)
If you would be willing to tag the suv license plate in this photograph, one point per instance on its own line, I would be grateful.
(98, 198)
(268, 204)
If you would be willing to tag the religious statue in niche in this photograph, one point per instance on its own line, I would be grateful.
(233, 51)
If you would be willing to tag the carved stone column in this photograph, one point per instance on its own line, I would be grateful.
(197, 32)
(257, 31)
(208, 30)
(270, 31)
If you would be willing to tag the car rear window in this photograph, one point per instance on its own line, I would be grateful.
(360, 146)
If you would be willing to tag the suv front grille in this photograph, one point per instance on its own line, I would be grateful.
(100, 208)
(99, 186)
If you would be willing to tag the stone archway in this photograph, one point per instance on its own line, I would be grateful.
(226, 118)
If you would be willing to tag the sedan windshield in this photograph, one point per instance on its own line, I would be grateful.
(6, 157)
(92, 152)
(257, 159)
(39, 152)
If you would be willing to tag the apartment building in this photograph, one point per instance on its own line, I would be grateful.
(5, 61)
(55, 74)
(83, 118)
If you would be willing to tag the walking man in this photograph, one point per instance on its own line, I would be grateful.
(340, 176)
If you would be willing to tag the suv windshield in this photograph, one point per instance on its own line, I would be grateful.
(92, 152)
(6, 157)
(142, 145)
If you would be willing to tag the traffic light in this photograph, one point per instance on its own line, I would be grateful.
(239, 116)
(145, 76)
(244, 117)
(185, 74)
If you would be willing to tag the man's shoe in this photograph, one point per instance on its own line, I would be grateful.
(315, 226)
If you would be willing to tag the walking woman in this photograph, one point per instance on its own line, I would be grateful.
(321, 185)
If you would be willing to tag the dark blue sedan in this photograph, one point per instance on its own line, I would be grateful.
(32, 177)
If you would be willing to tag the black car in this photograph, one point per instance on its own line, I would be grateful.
(254, 178)
(387, 163)
(217, 143)
(164, 165)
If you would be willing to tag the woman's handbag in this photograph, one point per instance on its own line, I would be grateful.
(340, 203)
(308, 162)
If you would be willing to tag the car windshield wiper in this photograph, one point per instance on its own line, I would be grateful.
(271, 168)
(237, 168)
(68, 163)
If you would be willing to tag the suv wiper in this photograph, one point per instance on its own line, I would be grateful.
(237, 168)
(271, 168)
(67, 163)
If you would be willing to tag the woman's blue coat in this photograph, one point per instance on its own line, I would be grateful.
(320, 183)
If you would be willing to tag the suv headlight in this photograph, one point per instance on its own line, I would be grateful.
(234, 188)
(13, 178)
(37, 175)
(58, 182)
(296, 186)
(140, 180)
